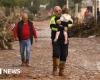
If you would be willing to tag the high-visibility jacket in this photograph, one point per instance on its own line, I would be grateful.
(53, 24)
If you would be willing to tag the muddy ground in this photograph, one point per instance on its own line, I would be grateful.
(83, 62)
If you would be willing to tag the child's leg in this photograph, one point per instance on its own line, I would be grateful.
(57, 35)
(66, 37)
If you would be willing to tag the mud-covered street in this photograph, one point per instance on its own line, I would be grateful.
(83, 62)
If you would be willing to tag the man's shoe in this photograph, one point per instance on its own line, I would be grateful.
(23, 64)
(27, 63)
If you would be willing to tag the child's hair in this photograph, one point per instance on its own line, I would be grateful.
(64, 10)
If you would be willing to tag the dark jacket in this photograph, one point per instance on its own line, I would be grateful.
(31, 28)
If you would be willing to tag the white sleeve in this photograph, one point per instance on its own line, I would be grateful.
(69, 18)
(62, 18)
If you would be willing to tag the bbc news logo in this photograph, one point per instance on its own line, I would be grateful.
(9, 71)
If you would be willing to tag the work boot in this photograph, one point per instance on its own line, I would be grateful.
(55, 65)
(61, 68)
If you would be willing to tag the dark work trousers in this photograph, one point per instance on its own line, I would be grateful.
(60, 50)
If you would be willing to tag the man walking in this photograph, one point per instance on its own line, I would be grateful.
(60, 49)
(25, 32)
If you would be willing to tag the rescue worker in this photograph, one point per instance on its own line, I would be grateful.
(60, 49)
(25, 32)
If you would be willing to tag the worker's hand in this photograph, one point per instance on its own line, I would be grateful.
(58, 22)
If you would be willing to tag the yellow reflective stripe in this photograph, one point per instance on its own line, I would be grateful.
(54, 29)
(52, 21)
(70, 25)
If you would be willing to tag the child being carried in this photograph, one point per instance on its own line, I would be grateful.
(65, 18)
